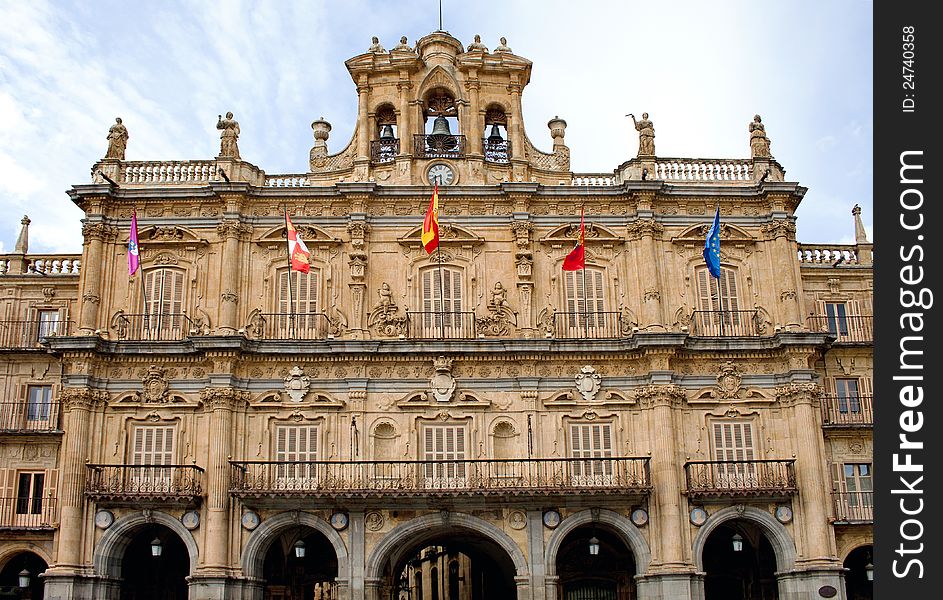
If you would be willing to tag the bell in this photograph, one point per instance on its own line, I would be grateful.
(441, 126)
(495, 137)
(386, 132)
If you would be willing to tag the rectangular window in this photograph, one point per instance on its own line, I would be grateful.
(444, 452)
(837, 319)
(29, 493)
(588, 441)
(296, 446)
(849, 399)
(442, 302)
(719, 303)
(48, 322)
(299, 309)
(153, 446)
(585, 303)
(38, 404)
(733, 449)
(163, 297)
(859, 484)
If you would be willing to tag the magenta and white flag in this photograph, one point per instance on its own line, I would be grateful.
(134, 258)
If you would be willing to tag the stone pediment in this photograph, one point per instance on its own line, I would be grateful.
(169, 234)
(312, 235)
(595, 235)
(420, 399)
(696, 234)
(311, 399)
(574, 398)
(449, 235)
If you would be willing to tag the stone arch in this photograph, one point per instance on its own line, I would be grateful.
(253, 554)
(783, 546)
(109, 551)
(844, 549)
(13, 549)
(614, 522)
(438, 77)
(427, 527)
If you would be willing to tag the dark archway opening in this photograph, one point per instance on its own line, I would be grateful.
(857, 584)
(300, 565)
(456, 565)
(595, 564)
(155, 565)
(745, 574)
(24, 564)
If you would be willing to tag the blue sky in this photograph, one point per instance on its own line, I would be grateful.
(701, 70)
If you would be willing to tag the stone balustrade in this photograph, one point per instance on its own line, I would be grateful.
(286, 181)
(593, 179)
(831, 254)
(703, 169)
(168, 172)
(61, 264)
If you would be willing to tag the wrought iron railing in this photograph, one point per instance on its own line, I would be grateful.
(294, 326)
(384, 150)
(497, 151)
(741, 478)
(28, 512)
(144, 481)
(23, 416)
(441, 325)
(844, 329)
(28, 334)
(154, 327)
(589, 325)
(853, 507)
(841, 410)
(417, 478)
(725, 323)
(438, 145)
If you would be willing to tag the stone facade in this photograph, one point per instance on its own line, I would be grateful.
(399, 409)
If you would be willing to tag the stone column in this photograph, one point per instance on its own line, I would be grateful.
(91, 275)
(363, 131)
(535, 543)
(404, 124)
(357, 553)
(78, 404)
(647, 231)
(231, 266)
(476, 123)
(516, 127)
(220, 403)
(782, 232)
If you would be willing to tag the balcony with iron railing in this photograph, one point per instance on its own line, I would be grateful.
(21, 335)
(853, 507)
(740, 478)
(439, 145)
(441, 325)
(384, 150)
(153, 484)
(590, 325)
(29, 513)
(22, 416)
(496, 150)
(845, 330)
(725, 323)
(407, 479)
(153, 327)
(847, 411)
(291, 326)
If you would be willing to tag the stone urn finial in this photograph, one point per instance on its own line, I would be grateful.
(557, 130)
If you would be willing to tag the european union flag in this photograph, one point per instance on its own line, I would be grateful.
(712, 247)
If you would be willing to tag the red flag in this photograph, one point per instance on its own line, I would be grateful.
(430, 225)
(298, 254)
(576, 259)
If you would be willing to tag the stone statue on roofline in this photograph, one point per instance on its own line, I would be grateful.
(646, 135)
(759, 143)
(402, 46)
(375, 47)
(228, 137)
(503, 46)
(477, 46)
(117, 140)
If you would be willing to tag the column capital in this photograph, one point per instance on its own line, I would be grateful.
(220, 398)
(84, 398)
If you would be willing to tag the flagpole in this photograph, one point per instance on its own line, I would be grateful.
(291, 302)
(585, 307)
(438, 250)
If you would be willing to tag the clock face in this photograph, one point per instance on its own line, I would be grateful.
(441, 174)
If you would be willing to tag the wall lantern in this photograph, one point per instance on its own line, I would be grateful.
(24, 578)
(868, 571)
(737, 542)
(300, 549)
(156, 547)
(594, 545)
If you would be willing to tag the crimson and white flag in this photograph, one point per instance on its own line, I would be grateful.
(298, 254)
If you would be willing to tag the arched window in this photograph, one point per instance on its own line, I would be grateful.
(442, 134)
(442, 303)
(299, 312)
(718, 303)
(496, 145)
(385, 145)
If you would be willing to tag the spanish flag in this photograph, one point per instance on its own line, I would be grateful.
(298, 255)
(576, 259)
(430, 225)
